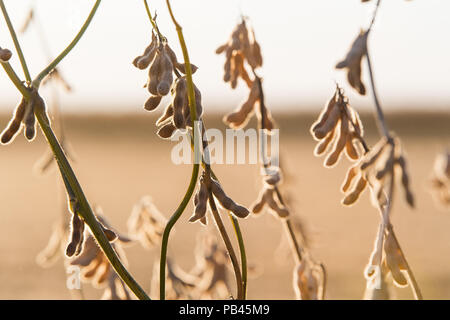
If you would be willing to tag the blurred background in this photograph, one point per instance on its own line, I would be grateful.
(118, 158)
(301, 41)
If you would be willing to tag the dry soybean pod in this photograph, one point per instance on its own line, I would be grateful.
(166, 131)
(200, 201)
(75, 235)
(329, 124)
(165, 77)
(15, 123)
(178, 102)
(353, 196)
(279, 209)
(30, 120)
(154, 73)
(394, 261)
(258, 205)
(374, 154)
(351, 174)
(388, 167)
(339, 145)
(168, 112)
(322, 146)
(152, 103)
(226, 201)
(324, 115)
(350, 149)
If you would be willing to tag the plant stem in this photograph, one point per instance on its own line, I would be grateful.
(234, 222)
(16, 42)
(63, 54)
(228, 245)
(297, 250)
(152, 21)
(173, 219)
(374, 15)
(84, 208)
(241, 285)
(187, 63)
(237, 231)
(195, 169)
(15, 80)
(165, 238)
(382, 126)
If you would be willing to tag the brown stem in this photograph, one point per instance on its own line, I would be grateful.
(382, 125)
(388, 226)
(297, 250)
(228, 245)
(374, 15)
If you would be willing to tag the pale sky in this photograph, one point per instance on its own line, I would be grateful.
(301, 42)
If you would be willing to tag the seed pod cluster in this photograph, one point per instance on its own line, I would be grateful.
(354, 184)
(268, 196)
(24, 114)
(338, 126)
(391, 258)
(225, 201)
(378, 288)
(177, 115)
(352, 62)
(200, 203)
(241, 46)
(307, 281)
(146, 223)
(383, 161)
(395, 261)
(161, 62)
(5, 55)
(440, 182)
(75, 245)
(240, 117)
(95, 267)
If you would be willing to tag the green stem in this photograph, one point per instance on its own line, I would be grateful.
(187, 63)
(195, 169)
(228, 245)
(63, 54)
(15, 79)
(237, 231)
(168, 228)
(85, 209)
(152, 21)
(16, 42)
